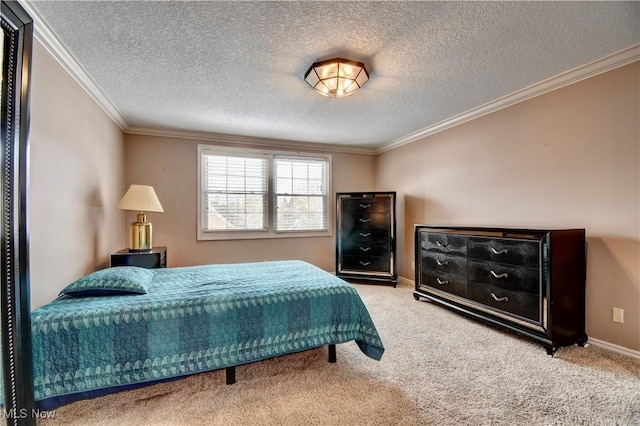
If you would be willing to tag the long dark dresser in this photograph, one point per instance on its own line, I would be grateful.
(366, 237)
(529, 281)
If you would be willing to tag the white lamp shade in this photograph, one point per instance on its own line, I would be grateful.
(141, 198)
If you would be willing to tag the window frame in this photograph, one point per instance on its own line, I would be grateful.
(270, 211)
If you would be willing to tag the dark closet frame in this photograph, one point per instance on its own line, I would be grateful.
(17, 370)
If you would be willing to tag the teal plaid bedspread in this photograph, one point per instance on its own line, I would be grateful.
(194, 319)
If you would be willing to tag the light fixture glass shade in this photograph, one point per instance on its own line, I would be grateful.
(337, 77)
(140, 198)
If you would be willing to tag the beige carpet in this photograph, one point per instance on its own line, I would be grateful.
(439, 368)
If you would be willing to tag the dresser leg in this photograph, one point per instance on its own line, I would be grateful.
(583, 342)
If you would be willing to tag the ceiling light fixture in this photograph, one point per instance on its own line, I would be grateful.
(336, 78)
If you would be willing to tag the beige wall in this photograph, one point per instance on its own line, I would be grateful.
(76, 179)
(569, 158)
(170, 166)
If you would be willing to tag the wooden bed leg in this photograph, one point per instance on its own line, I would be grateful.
(332, 353)
(231, 375)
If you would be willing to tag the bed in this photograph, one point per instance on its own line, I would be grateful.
(162, 324)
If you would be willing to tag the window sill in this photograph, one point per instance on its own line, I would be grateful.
(221, 236)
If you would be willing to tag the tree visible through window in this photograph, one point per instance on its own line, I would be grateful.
(300, 193)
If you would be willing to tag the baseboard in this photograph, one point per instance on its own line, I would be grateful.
(615, 348)
(406, 282)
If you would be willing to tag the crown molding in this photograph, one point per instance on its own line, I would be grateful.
(248, 141)
(50, 42)
(608, 63)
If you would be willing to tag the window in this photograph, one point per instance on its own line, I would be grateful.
(301, 193)
(235, 192)
(247, 193)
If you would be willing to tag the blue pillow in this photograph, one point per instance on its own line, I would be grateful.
(118, 281)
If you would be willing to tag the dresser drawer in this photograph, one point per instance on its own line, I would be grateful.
(365, 222)
(443, 263)
(520, 303)
(365, 235)
(505, 276)
(445, 282)
(444, 243)
(366, 263)
(514, 252)
(366, 250)
(359, 206)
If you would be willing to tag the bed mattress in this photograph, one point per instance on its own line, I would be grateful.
(194, 319)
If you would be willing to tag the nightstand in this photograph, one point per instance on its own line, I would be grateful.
(156, 258)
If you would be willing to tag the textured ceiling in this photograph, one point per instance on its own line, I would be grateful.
(237, 67)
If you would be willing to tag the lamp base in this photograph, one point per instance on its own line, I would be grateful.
(140, 250)
(141, 235)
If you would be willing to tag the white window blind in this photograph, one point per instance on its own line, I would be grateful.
(300, 193)
(235, 193)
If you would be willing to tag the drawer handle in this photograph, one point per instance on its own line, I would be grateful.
(503, 275)
(494, 251)
(499, 299)
(439, 244)
(365, 220)
(364, 263)
(365, 235)
(365, 248)
(442, 282)
(445, 263)
(365, 206)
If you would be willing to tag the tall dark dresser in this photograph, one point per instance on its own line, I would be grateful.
(366, 237)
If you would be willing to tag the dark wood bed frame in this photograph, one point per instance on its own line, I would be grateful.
(231, 371)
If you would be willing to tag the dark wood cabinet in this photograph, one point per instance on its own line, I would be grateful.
(366, 236)
(156, 258)
(530, 281)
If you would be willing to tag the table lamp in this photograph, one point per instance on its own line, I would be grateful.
(140, 198)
